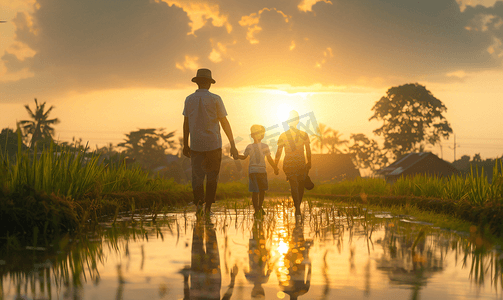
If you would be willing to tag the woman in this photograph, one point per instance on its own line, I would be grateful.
(294, 165)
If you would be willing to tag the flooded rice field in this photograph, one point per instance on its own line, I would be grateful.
(332, 252)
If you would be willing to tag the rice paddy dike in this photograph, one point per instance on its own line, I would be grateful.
(59, 190)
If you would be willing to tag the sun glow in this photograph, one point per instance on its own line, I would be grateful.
(282, 247)
(282, 112)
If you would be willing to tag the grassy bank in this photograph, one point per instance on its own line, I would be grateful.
(56, 189)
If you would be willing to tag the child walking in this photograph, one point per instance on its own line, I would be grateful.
(257, 169)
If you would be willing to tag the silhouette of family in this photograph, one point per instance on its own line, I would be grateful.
(204, 112)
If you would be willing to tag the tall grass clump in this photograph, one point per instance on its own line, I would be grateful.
(456, 188)
(59, 170)
(419, 186)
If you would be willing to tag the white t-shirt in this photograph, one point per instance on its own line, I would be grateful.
(203, 110)
(257, 153)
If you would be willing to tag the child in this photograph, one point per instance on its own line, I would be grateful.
(257, 171)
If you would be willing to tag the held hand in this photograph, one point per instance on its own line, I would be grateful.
(186, 151)
(234, 152)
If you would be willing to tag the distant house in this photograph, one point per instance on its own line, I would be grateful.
(425, 163)
(333, 167)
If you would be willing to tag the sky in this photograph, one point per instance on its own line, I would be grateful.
(111, 67)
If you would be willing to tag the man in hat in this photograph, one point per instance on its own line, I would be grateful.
(204, 112)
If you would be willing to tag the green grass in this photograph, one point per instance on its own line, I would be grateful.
(77, 180)
(56, 188)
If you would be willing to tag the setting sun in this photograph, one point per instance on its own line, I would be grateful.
(282, 112)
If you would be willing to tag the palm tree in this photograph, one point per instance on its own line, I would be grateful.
(40, 125)
(319, 140)
(334, 142)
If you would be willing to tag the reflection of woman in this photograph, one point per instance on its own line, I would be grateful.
(258, 257)
(294, 165)
(298, 264)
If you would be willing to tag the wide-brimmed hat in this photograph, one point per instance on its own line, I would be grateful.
(203, 74)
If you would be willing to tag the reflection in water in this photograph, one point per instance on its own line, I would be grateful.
(296, 278)
(410, 259)
(333, 252)
(259, 256)
(205, 274)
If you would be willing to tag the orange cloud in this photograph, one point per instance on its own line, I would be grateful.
(292, 45)
(307, 5)
(327, 54)
(199, 13)
(458, 74)
(496, 48)
(20, 50)
(189, 63)
(253, 20)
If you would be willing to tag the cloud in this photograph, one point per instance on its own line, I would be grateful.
(200, 12)
(85, 45)
(307, 5)
(252, 23)
(71, 45)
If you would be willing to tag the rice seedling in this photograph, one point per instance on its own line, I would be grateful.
(479, 189)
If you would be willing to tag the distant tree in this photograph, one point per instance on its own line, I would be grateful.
(319, 140)
(9, 142)
(327, 138)
(411, 116)
(366, 153)
(40, 127)
(149, 146)
(334, 142)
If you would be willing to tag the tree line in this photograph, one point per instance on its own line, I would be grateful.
(411, 118)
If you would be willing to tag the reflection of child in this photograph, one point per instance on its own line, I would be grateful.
(258, 255)
(257, 171)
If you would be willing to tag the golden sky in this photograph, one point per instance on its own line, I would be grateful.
(110, 67)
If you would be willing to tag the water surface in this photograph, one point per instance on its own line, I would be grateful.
(332, 252)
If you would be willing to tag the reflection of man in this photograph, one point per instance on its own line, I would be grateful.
(204, 112)
(205, 274)
(298, 264)
(258, 256)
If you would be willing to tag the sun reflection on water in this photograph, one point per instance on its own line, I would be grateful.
(326, 253)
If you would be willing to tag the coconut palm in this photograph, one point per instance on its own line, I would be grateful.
(319, 140)
(333, 141)
(40, 126)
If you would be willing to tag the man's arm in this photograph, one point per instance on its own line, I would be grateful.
(228, 132)
(186, 132)
(278, 154)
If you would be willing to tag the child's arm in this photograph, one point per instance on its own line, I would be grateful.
(239, 156)
(273, 164)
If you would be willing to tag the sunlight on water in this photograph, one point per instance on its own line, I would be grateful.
(331, 253)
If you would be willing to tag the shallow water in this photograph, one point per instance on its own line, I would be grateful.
(330, 253)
